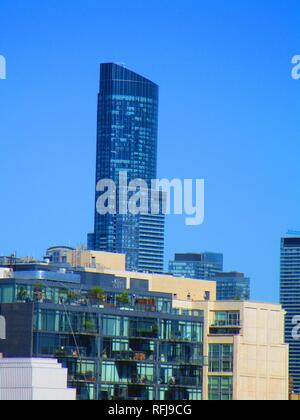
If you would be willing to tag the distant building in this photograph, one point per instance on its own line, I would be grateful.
(202, 266)
(232, 286)
(57, 254)
(6, 261)
(290, 300)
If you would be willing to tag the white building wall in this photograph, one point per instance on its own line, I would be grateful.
(33, 379)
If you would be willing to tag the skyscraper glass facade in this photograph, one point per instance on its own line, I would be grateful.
(232, 286)
(197, 266)
(290, 300)
(127, 142)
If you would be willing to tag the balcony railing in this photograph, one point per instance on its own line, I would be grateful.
(225, 324)
(132, 380)
(130, 356)
(55, 276)
(181, 381)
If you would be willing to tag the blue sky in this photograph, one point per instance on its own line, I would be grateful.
(229, 113)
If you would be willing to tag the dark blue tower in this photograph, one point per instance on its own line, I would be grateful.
(127, 141)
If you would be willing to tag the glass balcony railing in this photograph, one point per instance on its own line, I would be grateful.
(196, 360)
(130, 356)
(181, 381)
(132, 380)
(226, 324)
(47, 275)
(226, 319)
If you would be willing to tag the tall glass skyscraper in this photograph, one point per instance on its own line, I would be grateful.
(127, 142)
(290, 300)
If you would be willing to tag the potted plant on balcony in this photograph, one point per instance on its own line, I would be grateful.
(97, 296)
(89, 325)
(123, 298)
(22, 295)
(72, 296)
(38, 292)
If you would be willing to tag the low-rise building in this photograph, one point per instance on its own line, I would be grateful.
(135, 336)
(34, 380)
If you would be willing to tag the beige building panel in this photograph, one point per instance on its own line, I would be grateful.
(182, 288)
(260, 355)
(97, 261)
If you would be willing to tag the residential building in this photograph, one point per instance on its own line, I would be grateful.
(247, 356)
(127, 142)
(197, 266)
(290, 300)
(232, 286)
(12, 259)
(57, 254)
(140, 336)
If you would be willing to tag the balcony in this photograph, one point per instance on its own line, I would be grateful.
(73, 352)
(226, 323)
(197, 361)
(179, 381)
(225, 329)
(130, 356)
(137, 380)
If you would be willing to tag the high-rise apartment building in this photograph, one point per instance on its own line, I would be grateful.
(127, 142)
(290, 300)
(197, 266)
(232, 286)
(141, 336)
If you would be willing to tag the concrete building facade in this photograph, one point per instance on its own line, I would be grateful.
(256, 364)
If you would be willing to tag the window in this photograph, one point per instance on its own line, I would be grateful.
(115, 326)
(220, 358)
(223, 319)
(7, 294)
(220, 388)
(181, 331)
(139, 373)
